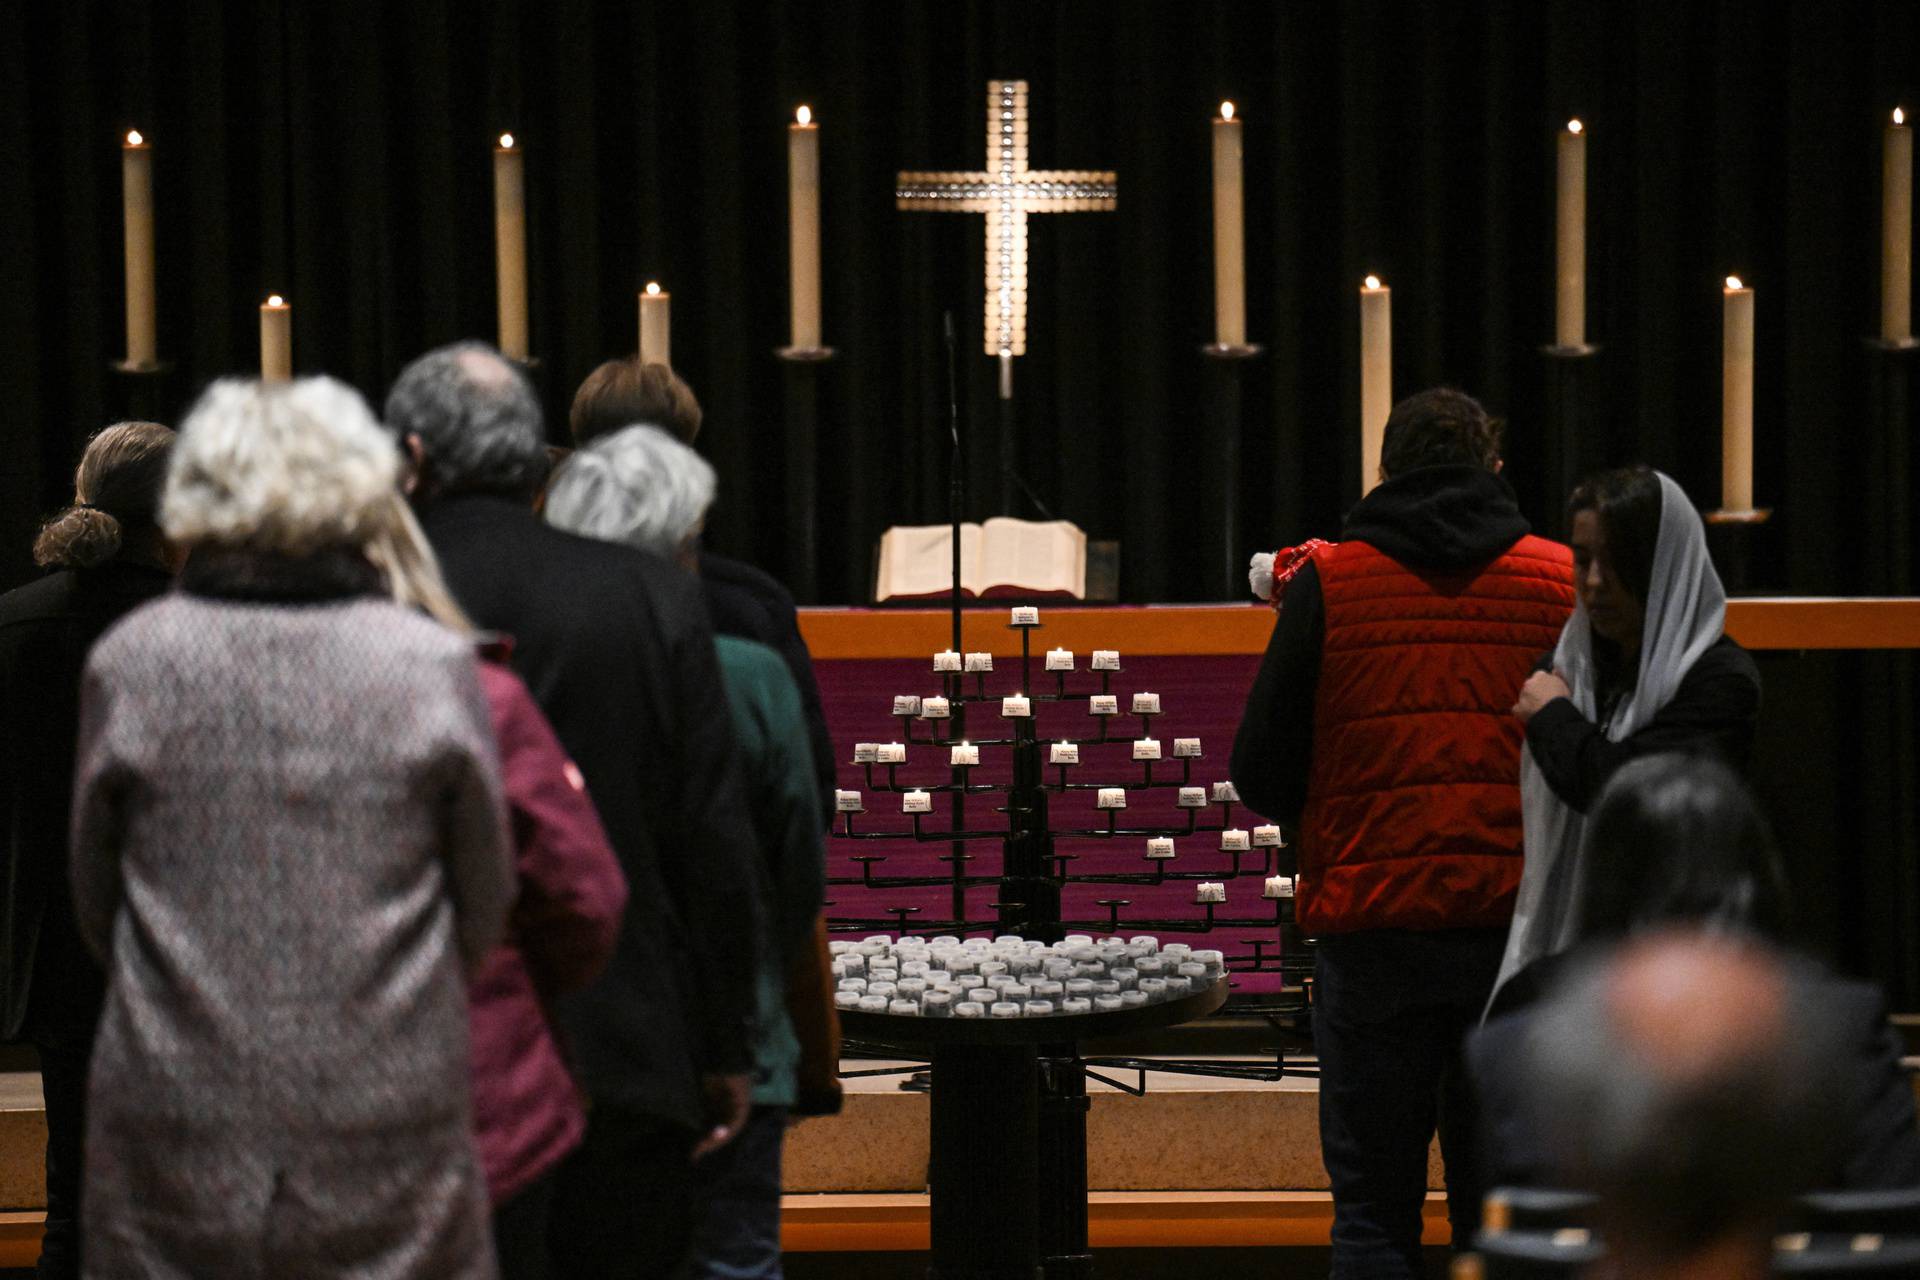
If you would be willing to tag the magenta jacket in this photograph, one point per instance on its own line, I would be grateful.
(526, 1109)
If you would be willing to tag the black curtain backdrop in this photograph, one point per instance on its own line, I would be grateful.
(340, 153)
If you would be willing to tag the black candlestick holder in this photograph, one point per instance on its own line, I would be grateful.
(801, 371)
(1572, 440)
(1224, 425)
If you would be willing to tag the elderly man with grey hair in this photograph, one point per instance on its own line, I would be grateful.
(615, 645)
(644, 488)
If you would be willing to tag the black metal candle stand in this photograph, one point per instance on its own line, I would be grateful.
(801, 370)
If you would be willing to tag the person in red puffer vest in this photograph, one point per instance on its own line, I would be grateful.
(1379, 728)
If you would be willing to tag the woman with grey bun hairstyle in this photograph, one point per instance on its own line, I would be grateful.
(106, 557)
(288, 851)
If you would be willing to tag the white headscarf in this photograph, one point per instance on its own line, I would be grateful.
(1686, 613)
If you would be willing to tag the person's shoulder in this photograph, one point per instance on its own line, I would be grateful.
(47, 597)
(1726, 659)
(751, 660)
(745, 577)
(170, 623)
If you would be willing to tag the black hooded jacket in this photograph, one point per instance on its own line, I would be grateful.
(1443, 519)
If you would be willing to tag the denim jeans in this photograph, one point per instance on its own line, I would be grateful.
(1391, 1010)
(736, 1204)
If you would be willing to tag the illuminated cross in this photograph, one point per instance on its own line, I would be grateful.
(1007, 191)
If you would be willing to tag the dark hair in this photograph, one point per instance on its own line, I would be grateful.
(478, 421)
(624, 393)
(1678, 839)
(116, 493)
(1627, 501)
(1439, 427)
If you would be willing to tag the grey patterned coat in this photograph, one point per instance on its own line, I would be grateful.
(287, 836)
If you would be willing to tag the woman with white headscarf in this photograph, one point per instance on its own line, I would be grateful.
(1644, 665)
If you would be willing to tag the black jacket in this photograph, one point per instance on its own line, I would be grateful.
(743, 601)
(1713, 713)
(52, 982)
(1872, 1098)
(617, 650)
(1441, 518)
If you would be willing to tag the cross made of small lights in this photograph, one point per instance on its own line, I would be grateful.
(1007, 191)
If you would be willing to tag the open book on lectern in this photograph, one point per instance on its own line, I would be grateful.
(999, 559)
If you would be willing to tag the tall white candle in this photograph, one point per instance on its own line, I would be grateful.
(276, 339)
(656, 325)
(1376, 376)
(1229, 232)
(510, 246)
(1570, 295)
(803, 226)
(1736, 397)
(136, 194)
(1896, 231)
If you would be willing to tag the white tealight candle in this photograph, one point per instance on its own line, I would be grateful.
(1209, 891)
(1160, 848)
(1106, 659)
(935, 709)
(1192, 798)
(848, 802)
(1111, 798)
(1186, 748)
(866, 753)
(1064, 753)
(965, 753)
(946, 660)
(916, 802)
(1103, 704)
(1146, 749)
(1016, 705)
(1234, 840)
(1278, 887)
(1025, 615)
(1225, 793)
(1268, 837)
(1059, 659)
(979, 662)
(1146, 704)
(906, 704)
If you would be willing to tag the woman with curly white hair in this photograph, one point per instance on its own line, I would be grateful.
(288, 848)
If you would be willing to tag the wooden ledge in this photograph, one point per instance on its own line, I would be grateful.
(1764, 622)
(1115, 1220)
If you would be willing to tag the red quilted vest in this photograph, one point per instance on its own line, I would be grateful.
(1412, 818)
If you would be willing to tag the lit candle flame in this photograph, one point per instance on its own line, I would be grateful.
(804, 115)
(1226, 111)
(653, 286)
(506, 141)
(1373, 282)
(1574, 126)
(1733, 282)
(1899, 116)
(134, 139)
(275, 300)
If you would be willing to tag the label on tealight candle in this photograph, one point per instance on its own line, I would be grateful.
(1233, 840)
(1192, 798)
(1064, 753)
(1160, 848)
(893, 753)
(1146, 704)
(906, 704)
(866, 753)
(1106, 660)
(1059, 659)
(1147, 749)
(1186, 748)
(1015, 705)
(946, 660)
(965, 753)
(1111, 798)
(916, 802)
(1103, 704)
(1267, 837)
(979, 662)
(1209, 891)
(1278, 887)
(1225, 793)
(848, 802)
(935, 709)
(1025, 615)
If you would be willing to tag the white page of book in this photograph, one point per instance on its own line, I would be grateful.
(1036, 557)
(917, 560)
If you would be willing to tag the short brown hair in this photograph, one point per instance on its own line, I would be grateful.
(623, 392)
(1439, 427)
